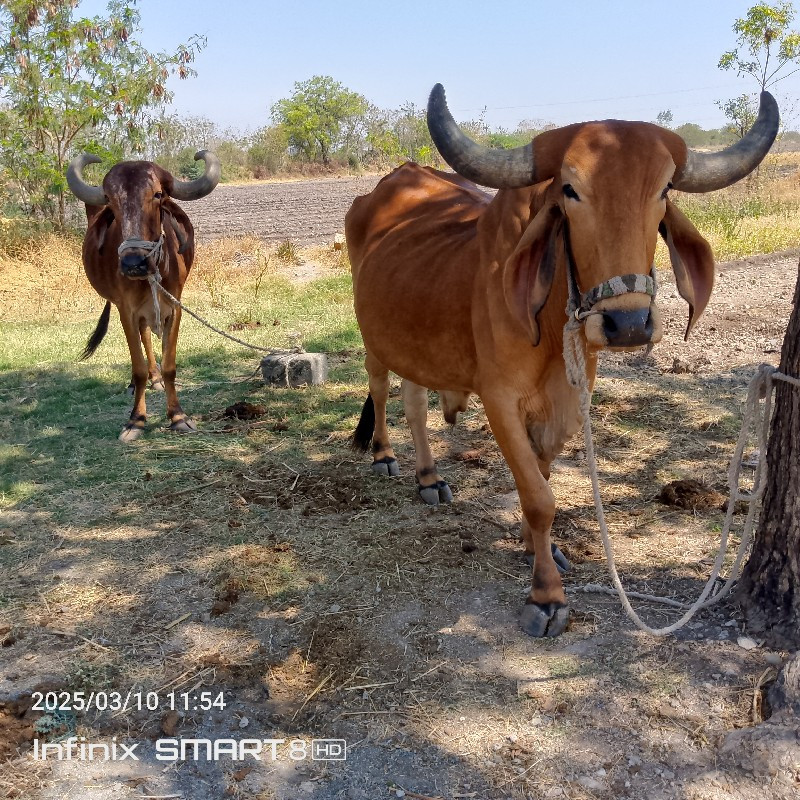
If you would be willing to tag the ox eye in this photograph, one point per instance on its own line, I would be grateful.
(570, 192)
(158, 195)
(666, 191)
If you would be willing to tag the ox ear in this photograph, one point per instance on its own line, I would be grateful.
(179, 222)
(529, 270)
(692, 262)
(102, 222)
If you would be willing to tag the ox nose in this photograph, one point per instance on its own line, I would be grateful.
(628, 328)
(134, 265)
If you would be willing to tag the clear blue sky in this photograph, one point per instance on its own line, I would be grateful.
(557, 60)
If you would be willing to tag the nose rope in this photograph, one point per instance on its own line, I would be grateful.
(154, 280)
(615, 287)
(155, 251)
(580, 306)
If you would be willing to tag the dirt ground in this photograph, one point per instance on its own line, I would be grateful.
(398, 628)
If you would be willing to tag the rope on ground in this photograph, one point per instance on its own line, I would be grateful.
(154, 282)
(760, 387)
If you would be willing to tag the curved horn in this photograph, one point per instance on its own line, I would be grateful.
(91, 195)
(194, 190)
(500, 169)
(706, 172)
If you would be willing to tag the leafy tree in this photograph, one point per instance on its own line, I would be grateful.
(268, 151)
(665, 118)
(321, 117)
(764, 44)
(68, 82)
(741, 113)
(411, 127)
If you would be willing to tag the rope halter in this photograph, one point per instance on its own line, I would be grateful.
(614, 287)
(579, 306)
(155, 253)
(154, 250)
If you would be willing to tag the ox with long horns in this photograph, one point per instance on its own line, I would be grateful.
(138, 234)
(460, 292)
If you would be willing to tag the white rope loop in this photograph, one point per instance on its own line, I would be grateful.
(760, 387)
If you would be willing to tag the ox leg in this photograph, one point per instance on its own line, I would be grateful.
(432, 489)
(383, 458)
(546, 612)
(156, 381)
(180, 422)
(135, 426)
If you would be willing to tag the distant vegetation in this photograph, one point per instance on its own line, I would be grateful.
(71, 84)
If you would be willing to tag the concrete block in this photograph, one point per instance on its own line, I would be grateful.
(295, 369)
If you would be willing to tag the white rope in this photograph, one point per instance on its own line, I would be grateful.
(176, 302)
(761, 386)
(155, 281)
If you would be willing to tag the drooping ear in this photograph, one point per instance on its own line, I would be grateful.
(176, 217)
(528, 271)
(101, 222)
(692, 262)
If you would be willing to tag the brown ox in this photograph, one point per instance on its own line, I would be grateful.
(461, 293)
(136, 234)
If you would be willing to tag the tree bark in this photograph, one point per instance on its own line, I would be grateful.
(769, 590)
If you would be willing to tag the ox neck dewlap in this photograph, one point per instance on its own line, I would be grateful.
(580, 305)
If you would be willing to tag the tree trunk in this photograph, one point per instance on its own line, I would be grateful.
(769, 590)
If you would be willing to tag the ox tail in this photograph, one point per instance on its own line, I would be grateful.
(99, 332)
(362, 436)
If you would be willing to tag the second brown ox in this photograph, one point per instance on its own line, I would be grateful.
(462, 293)
(137, 233)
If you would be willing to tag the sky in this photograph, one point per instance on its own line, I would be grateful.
(559, 61)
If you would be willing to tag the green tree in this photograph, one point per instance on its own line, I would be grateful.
(268, 151)
(741, 113)
(665, 118)
(69, 82)
(321, 117)
(765, 45)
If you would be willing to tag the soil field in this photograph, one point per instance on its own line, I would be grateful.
(256, 582)
(306, 212)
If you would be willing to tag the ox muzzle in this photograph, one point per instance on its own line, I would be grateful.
(621, 312)
(140, 258)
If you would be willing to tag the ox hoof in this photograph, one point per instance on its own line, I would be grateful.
(183, 425)
(548, 619)
(438, 492)
(562, 564)
(157, 385)
(131, 432)
(386, 466)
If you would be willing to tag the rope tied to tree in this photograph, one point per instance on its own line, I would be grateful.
(760, 387)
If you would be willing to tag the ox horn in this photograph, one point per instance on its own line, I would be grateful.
(706, 172)
(91, 195)
(500, 169)
(194, 190)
